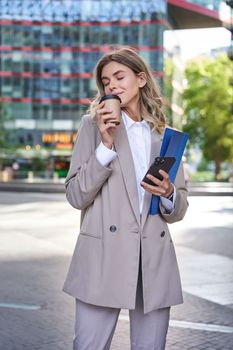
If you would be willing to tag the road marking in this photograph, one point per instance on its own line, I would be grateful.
(20, 306)
(201, 326)
(192, 325)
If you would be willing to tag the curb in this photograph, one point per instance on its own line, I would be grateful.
(195, 189)
(32, 187)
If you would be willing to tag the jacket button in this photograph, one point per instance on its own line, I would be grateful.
(162, 234)
(113, 228)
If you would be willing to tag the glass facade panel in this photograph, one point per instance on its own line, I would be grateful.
(6, 63)
(7, 35)
(36, 36)
(76, 35)
(27, 66)
(21, 110)
(27, 88)
(16, 65)
(27, 36)
(6, 88)
(17, 38)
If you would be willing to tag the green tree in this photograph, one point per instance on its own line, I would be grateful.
(208, 106)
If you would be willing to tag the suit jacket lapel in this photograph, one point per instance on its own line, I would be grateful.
(122, 147)
(156, 140)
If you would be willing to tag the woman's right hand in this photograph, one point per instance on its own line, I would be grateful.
(106, 128)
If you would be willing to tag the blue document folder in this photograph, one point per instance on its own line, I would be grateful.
(173, 145)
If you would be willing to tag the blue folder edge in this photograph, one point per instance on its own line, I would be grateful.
(173, 145)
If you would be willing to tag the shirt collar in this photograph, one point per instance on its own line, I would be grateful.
(129, 122)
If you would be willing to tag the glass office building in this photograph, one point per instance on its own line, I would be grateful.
(48, 49)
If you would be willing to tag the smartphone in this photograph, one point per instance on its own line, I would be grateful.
(160, 163)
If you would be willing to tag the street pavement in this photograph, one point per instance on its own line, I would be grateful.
(46, 186)
(38, 232)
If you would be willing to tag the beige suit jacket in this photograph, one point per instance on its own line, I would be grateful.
(104, 266)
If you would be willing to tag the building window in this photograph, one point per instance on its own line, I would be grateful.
(27, 87)
(76, 36)
(27, 35)
(36, 67)
(7, 35)
(17, 39)
(6, 86)
(7, 64)
(36, 36)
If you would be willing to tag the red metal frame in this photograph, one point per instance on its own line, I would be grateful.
(45, 75)
(46, 100)
(82, 24)
(194, 8)
(101, 48)
(57, 75)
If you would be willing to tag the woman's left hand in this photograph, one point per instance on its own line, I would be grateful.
(162, 187)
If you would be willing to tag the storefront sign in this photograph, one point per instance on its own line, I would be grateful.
(61, 138)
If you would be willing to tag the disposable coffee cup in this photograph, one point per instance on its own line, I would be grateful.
(113, 102)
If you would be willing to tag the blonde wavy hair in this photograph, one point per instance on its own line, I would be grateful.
(150, 99)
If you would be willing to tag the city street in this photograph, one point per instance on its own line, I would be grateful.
(38, 232)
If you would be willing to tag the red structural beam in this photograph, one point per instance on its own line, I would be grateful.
(45, 75)
(46, 100)
(101, 48)
(57, 75)
(82, 24)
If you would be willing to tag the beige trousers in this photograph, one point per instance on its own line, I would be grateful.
(95, 325)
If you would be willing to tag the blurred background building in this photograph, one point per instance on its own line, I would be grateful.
(48, 49)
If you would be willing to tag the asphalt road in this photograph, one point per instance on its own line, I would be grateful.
(37, 236)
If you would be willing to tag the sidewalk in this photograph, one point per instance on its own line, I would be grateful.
(195, 188)
(38, 232)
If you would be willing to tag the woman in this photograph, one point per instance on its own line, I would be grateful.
(124, 257)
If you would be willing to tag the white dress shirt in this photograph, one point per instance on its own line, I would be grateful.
(139, 137)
